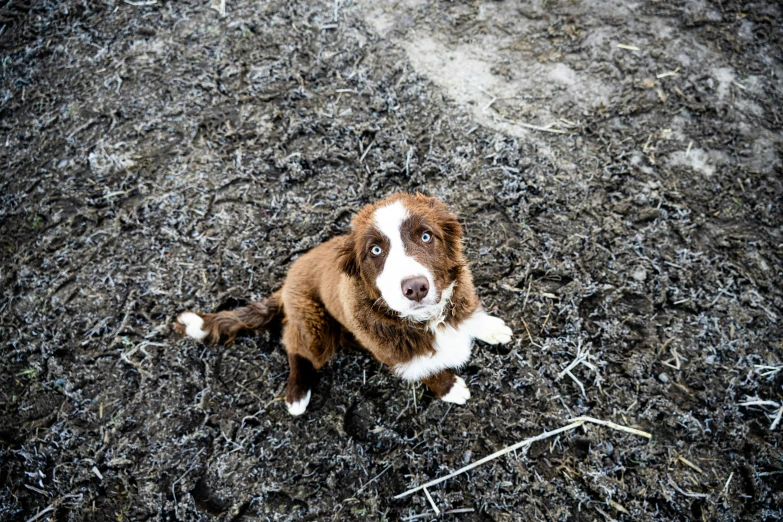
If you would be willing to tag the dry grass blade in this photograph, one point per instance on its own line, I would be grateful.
(614, 426)
(728, 481)
(578, 383)
(495, 455)
(618, 507)
(529, 336)
(376, 477)
(777, 419)
(686, 493)
(547, 128)
(755, 401)
(432, 502)
(575, 423)
(768, 371)
(40, 514)
(689, 463)
(668, 73)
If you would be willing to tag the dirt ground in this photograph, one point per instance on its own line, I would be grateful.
(617, 167)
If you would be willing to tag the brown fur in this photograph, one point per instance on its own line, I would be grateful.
(331, 289)
(440, 383)
(228, 324)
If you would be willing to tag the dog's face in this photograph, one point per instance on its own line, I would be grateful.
(407, 252)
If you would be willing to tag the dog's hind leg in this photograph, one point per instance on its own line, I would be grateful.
(310, 337)
(211, 327)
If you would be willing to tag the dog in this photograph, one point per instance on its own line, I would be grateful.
(397, 283)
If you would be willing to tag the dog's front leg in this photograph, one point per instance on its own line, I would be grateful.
(448, 387)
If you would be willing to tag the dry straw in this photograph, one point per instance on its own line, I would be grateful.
(575, 423)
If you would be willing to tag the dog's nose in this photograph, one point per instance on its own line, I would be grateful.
(415, 288)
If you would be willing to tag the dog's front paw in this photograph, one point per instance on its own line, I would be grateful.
(459, 392)
(493, 330)
(190, 324)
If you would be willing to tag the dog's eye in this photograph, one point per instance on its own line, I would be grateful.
(426, 237)
(376, 251)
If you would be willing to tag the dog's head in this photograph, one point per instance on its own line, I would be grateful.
(407, 252)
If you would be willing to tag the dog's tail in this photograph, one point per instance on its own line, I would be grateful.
(228, 324)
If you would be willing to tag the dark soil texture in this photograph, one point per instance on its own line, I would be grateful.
(616, 166)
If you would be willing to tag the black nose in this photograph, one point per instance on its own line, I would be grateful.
(415, 288)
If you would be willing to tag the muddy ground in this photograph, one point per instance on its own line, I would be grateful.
(160, 157)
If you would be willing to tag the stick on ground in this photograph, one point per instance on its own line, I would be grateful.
(495, 455)
(432, 502)
(579, 421)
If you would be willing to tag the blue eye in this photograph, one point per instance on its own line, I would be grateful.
(376, 250)
(426, 237)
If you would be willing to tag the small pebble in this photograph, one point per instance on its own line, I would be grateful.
(467, 456)
(609, 449)
(640, 274)
(663, 378)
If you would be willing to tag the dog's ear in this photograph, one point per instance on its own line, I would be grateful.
(452, 233)
(346, 257)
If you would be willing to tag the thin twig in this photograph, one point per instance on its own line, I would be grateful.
(686, 493)
(777, 419)
(668, 73)
(726, 487)
(580, 357)
(768, 371)
(759, 402)
(376, 477)
(432, 502)
(664, 345)
(538, 128)
(366, 151)
(528, 333)
(610, 424)
(578, 383)
(495, 455)
(575, 423)
(41, 513)
(689, 463)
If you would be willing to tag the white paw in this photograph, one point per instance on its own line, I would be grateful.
(193, 324)
(493, 330)
(299, 406)
(458, 394)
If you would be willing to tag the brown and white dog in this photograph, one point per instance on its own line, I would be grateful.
(398, 283)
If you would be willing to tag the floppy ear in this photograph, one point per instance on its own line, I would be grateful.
(346, 257)
(452, 233)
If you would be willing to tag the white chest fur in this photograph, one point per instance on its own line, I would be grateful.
(452, 350)
(453, 345)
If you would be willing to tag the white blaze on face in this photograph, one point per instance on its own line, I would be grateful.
(399, 266)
